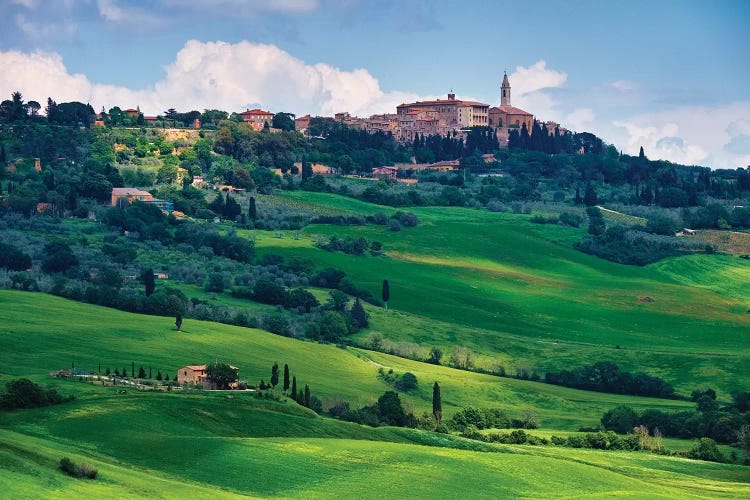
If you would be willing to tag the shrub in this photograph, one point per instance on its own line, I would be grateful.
(706, 449)
(82, 470)
(406, 382)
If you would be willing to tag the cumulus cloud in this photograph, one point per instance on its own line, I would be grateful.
(528, 85)
(718, 136)
(211, 75)
(580, 119)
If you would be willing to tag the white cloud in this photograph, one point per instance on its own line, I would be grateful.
(251, 6)
(66, 31)
(135, 17)
(580, 119)
(29, 4)
(712, 136)
(624, 85)
(211, 75)
(527, 90)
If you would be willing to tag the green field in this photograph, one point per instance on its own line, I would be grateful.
(518, 294)
(206, 444)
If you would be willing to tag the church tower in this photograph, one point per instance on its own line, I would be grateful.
(505, 91)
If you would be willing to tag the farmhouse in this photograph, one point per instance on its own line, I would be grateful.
(130, 195)
(385, 172)
(196, 374)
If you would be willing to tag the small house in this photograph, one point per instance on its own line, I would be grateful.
(196, 374)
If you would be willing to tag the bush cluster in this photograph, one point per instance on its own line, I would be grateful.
(82, 470)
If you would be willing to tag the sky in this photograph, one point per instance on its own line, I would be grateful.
(671, 76)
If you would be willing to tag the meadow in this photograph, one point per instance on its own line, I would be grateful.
(180, 443)
(519, 294)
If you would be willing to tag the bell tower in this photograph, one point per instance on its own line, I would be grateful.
(505, 91)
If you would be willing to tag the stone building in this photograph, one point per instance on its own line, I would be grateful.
(257, 118)
(439, 117)
(505, 117)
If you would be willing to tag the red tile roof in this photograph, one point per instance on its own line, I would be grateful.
(256, 111)
(510, 110)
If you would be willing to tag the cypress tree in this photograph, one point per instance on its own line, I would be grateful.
(141, 372)
(100, 368)
(286, 377)
(158, 375)
(252, 211)
(147, 278)
(386, 294)
(3, 154)
(294, 388)
(307, 396)
(641, 154)
(149, 372)
(275, 375)
(307, 171)
(132, 369)
(437, 404)
(589, 198)
(125, 372)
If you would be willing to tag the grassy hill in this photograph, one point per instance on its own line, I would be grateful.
(206, 444)
(518, 294)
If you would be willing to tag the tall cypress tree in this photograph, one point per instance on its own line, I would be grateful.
(252, 211)
(386, 294)
(275, 375)
(307, 170)
(147, 278)
(307, 396)
(437, 403)
(286, 377)
(294, 388)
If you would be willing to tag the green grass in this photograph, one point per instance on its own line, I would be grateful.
(42, 333)
(517, 293)
(175, 444)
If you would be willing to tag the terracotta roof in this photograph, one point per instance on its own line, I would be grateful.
(443, 102)
(256, 111)
(510, 110)
(129, 192)
(196, 367)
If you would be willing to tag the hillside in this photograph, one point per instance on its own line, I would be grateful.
(518, 294)
(174, 444)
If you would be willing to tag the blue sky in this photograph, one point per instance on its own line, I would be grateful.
(671, 76)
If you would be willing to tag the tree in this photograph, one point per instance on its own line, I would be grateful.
(706, 449)
(390, 409)
(437, 404)
(283, 121)
(386, 293)
(621, 419)
(307, 396)
(3, 155)
(359, 315)
(158, 375)
(294, 388)
(178, 322)
(435, 356)
(590, 198)
(149, 283)
(132, 369)
(275, 375)
(286, 377)
(58, 257)
(307, 170)
(252, 210)
(221, 374)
